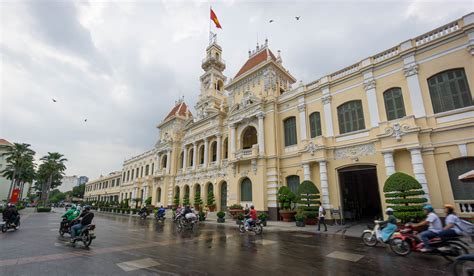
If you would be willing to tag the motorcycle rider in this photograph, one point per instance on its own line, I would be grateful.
(451, 228)
(10, 214)
(143, 210)
(85, 219)
(161, 212)
(253, 217)
(435, 226)
(390, 225)
(70, 215)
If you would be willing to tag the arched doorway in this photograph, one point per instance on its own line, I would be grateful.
(249, 137)
(223, 196)
(360, 197)
(246, 190)
(158, 195)
(293, 181)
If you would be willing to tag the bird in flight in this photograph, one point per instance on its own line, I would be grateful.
(297, 17)
(85, 120)
(54, 100)
(271, 21)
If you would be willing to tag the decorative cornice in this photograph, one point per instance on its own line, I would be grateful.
(301, 107)
(261, 115)
(327, 99)
(410, 70)
(369, 84)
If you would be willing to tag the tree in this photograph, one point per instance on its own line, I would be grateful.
(176, 199)
(79, 190)
(50, 173)
(211, 201)
(403, 192)
(186, 199)
(308, 198)
(20, 167)
(197, 199)
(286, 197)
(148, 201)
(56, 196)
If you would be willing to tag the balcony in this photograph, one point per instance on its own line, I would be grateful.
(465, 206)
(247, 153)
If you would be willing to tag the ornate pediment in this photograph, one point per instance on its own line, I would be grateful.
(398, 130)
(311, 148)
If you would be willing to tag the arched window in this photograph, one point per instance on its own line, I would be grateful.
(219, 85)
(177, 191)
(181, 159)
(191, 155)
(197, 190)
(158, 194)
(210, 188)
(201, 154)
(394, 106)
(315, 124)
(449, 90)
(214, 151)
(249, 137)
(226, 149)
(350, 116)
(164, 161)
(246, 190)
(147, 170)
(290, 131)
(462, 190)
(293, 181)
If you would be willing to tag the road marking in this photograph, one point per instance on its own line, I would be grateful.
(264, 242)
(137, 264)
(303, 235)
(345, 256)
(55, 223)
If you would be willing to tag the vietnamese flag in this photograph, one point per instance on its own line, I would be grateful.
(215, 20)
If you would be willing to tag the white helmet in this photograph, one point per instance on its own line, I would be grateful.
(389, 210)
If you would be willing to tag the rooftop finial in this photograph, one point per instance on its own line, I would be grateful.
(266, 42)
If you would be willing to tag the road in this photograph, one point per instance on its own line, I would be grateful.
(130, 246)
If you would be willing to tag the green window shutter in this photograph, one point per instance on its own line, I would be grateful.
(461, 190)
(315, 124)
(449, 90)
(293, 181)
(246, 190)
(394, 106)
(350, 116)
(290, 131)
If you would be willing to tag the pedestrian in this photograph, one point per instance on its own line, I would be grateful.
(321, 218)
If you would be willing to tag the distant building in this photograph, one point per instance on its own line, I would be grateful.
(4, 183)
(68, 182)
(82, 180)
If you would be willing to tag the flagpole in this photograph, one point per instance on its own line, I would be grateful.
(210, 9)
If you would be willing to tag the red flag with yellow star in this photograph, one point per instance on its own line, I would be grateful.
(215, 20)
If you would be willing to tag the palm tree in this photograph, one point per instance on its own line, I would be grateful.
(20, 166)
(50, 173)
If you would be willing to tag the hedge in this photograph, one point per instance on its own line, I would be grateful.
(406, 200)
(408, 193)
(308, 198)
(43, 209)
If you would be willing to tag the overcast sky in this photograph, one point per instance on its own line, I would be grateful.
(122, 65)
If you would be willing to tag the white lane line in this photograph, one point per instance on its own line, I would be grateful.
(345, 256)
(137, 264)
(264, 242)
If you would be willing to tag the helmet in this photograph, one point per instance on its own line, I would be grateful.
(10, 205)
(389, 210)
(73, 207)
(428, 207)
(87, 207)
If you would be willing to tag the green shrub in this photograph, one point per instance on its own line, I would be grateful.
(240, 216)
(176, 199)
(148, 200)
(311, 215)
(236, 206)
(211, 201)
(262, 216)
(308, 198)
(43, 209)
(197, 199)
(186, 199)
(286, 197)
(403, 192)
(202, 216)
(220, 214)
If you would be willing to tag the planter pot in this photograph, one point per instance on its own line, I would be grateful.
(264, 222)
(221, 220)
(212, 208)
(287, 215)
(300, 224)
(235, 212)
(311, 221)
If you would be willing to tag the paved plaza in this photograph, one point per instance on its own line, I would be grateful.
(130, 246)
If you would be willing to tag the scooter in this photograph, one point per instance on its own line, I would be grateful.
(464, 265)
(64, 227)
(143, 214)
(254, 226)
(372, 236)
(86, 235)
(406, 240)
(6, 225)
(160, 217)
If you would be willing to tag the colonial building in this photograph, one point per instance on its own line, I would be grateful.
(408, 108)
(105, 188)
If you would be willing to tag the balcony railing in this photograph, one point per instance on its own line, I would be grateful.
(466, 206)
(245, 153)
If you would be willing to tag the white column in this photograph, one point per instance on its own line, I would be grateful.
(323, 175)
(145, 193)
(419, 170)
(272, 188)
(185, 157)
(261, 134)
(327, 112)
(389, 162)
(232, 140)
(168, 161)
(301, 109)
(206, 151)
(219, 146)
(369, 86)
(411, 74)
(307, 171)
(194, 154)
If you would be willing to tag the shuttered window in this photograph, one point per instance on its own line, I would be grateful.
(394, 103)
(449, 90)
(462, 190)
(350, 116)
(290, 131)
(246, 190)
(315, 124)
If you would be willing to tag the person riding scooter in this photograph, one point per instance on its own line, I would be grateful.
(10, 214)
(143, 210)
(435, 226)
(161, 212)
(390, 225)
(69, 216)
(451, 228)
(84, 219)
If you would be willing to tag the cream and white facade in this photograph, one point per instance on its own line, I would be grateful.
(408, 108)
(105, 188)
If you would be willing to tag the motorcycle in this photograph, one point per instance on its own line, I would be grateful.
(372, 236)
(64, 227)
(406, 240)
(86, 235)
(254, 226)
(185, 222)
(143, 214)
(160, 217)
(464, 265)
(6, 225)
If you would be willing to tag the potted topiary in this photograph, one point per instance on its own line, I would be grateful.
(186, 199)
(404, 194)
(176, 201)
(308, 196)
(220, 217)
(300, 218)
(197, 201)
(240, 218)
(202, 216)
(286, 197)
(263, 218)
(211, 201)
(235, 210)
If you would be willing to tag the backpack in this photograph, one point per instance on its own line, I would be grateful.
(324, 211)
(466, 227)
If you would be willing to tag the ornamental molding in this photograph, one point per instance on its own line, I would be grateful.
(301, 107)
(369, 84)
(410, 70)
(354, 151)
(398, 130)
(327, 99)
(311, 148)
